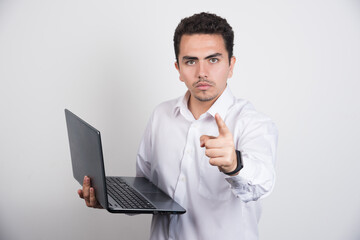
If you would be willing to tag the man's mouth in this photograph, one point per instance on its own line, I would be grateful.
(203, 85)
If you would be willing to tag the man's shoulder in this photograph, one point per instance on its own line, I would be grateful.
(245, 110)
(167, 107)
(242, 107)
(248, 119)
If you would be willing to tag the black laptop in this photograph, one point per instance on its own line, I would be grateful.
(116, 194)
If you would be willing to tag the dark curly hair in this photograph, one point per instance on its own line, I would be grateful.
(206, 23)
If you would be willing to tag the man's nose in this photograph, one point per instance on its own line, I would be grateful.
(202, 70)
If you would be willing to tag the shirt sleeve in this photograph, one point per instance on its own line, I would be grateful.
(257, 145)
(143, 158)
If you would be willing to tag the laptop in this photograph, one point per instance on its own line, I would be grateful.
(116, 194)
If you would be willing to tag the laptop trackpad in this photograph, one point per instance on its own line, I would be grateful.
(142, 185)
(156, 198)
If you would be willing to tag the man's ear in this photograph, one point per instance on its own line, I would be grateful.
(231, 67)
(178, 69)
(177, 66)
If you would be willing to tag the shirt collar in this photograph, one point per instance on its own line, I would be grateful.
(221, 105)
(182, 103)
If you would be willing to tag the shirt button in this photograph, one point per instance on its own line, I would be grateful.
(182, 178)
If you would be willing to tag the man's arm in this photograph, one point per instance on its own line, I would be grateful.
(143, 162)
(257, 146)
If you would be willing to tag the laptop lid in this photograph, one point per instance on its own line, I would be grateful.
(87, 160)
(85, 151)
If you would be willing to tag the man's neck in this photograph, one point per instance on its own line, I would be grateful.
(197, 107)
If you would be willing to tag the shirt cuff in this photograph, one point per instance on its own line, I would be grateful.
(243, 189)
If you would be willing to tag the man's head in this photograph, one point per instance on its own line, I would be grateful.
(204, 23)
(203, 47)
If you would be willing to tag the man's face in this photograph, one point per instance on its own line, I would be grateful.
(204, 66)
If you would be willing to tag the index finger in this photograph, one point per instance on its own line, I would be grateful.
(221, 125)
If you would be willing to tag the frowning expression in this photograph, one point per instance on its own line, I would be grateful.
(204, 65)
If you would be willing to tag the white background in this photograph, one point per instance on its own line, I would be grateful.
(112, 62)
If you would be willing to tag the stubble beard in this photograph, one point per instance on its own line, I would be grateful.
(206, 98)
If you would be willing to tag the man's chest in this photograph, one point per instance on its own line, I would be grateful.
(179, 164)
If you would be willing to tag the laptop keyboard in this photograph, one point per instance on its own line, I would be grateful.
(129, 198)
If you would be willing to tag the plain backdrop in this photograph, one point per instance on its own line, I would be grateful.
(112, 62)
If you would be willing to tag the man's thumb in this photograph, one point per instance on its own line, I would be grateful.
(203, 139)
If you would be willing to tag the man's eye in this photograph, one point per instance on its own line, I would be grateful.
(213, 60)
(190, 62)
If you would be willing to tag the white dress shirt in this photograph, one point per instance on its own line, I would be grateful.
(218, 206)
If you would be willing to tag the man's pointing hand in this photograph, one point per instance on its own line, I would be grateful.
(220, 149)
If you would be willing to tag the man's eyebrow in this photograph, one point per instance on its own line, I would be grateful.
(189, 58)
(214, 55)
(185, 58)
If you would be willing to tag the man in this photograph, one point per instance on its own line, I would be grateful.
(189, 148)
